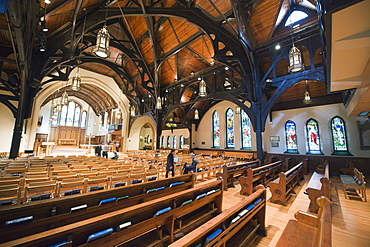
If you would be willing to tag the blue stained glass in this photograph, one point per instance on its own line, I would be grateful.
(339, 134)
(216, 129)
(181, 142)
(162, 141)
(291, 136)
(230, 135)
(313, 137)
(174, 142)
(168, 141)
(246, 131)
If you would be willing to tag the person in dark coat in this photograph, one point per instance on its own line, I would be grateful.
(98, 150)
(193, 166)
(170, 167)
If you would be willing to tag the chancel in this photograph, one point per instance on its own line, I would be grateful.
(264, 104)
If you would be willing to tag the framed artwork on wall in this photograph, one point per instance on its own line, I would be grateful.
(274, 138)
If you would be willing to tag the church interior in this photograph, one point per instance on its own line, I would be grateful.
(267, 100)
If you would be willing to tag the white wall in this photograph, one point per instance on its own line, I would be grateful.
(6, 130)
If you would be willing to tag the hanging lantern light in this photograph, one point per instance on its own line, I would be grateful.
(237, 110)
(76, 82)
(102, 43)
(64, 100)
(132, 110)
(196, 114)
(159, 103)
(295, 60)
(307, 96)
(202, 88)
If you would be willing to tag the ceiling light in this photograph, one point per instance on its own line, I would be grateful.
(202, 88)
(277, 46)
(47, 1)
(196, 114)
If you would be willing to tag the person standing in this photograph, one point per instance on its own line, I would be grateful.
(170, 167)
(105, 150)
(193, 166)
(98, 150)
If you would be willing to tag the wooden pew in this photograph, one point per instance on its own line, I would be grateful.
(153, 222)
(231, 224)
(230, 172)
(319, 185)
(51, 213)
(263, 174)
(239, 155)
(357, 182)
(309, 229)
(281, 187)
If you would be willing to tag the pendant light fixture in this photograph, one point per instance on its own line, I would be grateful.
(102, 40)
(159, 103)
(307, 97)
(202, 83)
(76, 81)
(196, 114)
(59, 105)
(64, 100)
(295, 56)
(132, 111)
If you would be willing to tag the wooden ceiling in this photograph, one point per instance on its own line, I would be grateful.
(156, 46)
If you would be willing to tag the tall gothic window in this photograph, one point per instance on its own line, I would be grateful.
(291, 137)
(181, 143)
(174, 142)
(162, 142)
(83, 119)
(54, 117)
(216, 129)
(70, 116)
(246, 131)
(339, 136)
(168, 141)
(230, 133)
(313, 137)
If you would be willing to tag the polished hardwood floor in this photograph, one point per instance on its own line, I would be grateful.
(351, 217)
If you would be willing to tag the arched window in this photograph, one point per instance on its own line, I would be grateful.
(181, 143)
(313, 137)
(291, 137)
(339, 136)
(54, 117)
(168, 141)
(174, 140)
(246, 131)
(162, 142)
(83, 119)
(230, 134)
(216, 129)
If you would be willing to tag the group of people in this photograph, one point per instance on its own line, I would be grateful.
(102, 151)
(170, 167)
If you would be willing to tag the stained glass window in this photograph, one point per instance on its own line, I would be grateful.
(181, 144)
(230, 134)
(313, 137)
(83, 119)
(168, 141)
(76, 119)
(174, 140)
(291, 137)
(63, 116)
(54, 117)
(216, 129)
(71, 113)
(162, 142)
(339, 137)
(246, 131)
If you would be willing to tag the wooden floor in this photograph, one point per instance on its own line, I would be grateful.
(351, 217)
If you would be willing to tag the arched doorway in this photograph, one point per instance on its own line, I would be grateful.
(146, 137)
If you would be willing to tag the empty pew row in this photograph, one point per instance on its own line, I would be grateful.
(309, 229)
(233, 227)
(262, 174)
(231, 172)
(38, 216)
(150, 223)
(354, 181)
(284, 185)
(318, 185)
